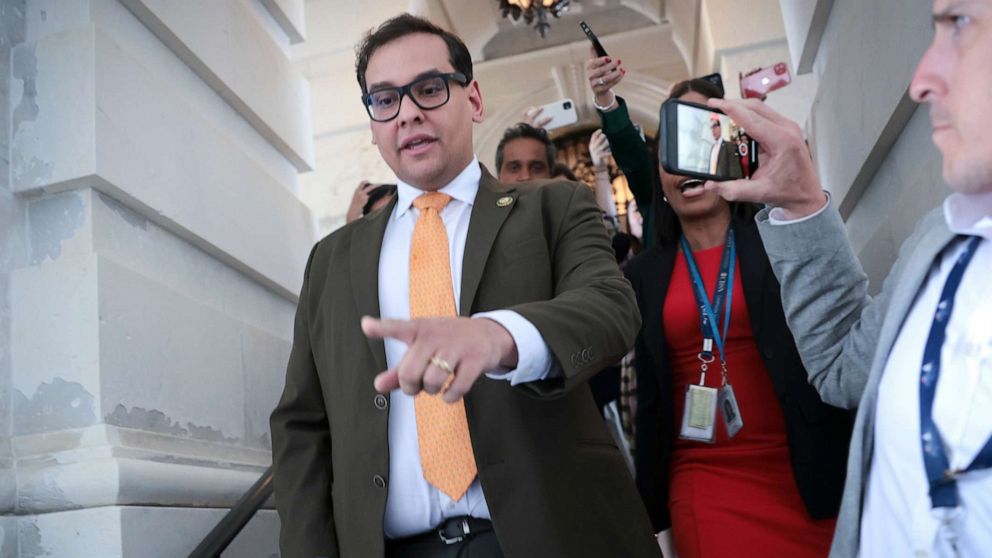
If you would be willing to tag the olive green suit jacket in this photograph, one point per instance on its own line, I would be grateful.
(553, 479)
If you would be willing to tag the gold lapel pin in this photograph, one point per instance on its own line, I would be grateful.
(504, 201)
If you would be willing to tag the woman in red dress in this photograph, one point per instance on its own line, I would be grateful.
(774, 487)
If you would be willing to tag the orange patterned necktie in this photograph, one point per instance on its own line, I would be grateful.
(442, 429)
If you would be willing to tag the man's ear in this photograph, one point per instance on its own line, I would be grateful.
(475, 98)
(372, 133)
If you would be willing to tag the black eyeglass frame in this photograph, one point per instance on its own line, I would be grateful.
(406, 91)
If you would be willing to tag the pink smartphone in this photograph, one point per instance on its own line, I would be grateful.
(759, 83)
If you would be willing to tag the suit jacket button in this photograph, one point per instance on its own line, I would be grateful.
(378, 481)
(380, 401)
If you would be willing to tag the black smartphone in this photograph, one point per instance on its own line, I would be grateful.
(704, 143)
(598, 46)
(717, 80)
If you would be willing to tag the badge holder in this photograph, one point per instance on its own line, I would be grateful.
(730, 411)
(698, 419)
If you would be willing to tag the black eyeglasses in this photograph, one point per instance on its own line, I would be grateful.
(428, 93)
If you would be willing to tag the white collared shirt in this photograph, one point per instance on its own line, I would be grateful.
(897, 520)
(413, 506)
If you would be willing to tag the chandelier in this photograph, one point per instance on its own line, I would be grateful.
(534, 12)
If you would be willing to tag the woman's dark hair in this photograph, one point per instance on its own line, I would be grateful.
(561, 170)
(668, 228)
(401, 26)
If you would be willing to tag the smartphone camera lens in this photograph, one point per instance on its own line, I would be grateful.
(567, 105)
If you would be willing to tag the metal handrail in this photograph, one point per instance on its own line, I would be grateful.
(231, 524)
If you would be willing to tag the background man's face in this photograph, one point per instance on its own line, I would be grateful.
(716, 129)
(955, 78)
(524, 159)
(425, 148)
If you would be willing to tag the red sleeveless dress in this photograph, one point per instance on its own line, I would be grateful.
(735, 497)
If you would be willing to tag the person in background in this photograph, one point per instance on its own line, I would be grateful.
(628, 147)
(561, 170)
(524, 153)
(599, 154)
(367, 198)
(916, 360)
(768, 487)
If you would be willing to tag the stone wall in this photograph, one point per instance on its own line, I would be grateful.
(153, 249)
(871, 143)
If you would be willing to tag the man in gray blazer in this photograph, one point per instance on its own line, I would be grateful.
(917, 359)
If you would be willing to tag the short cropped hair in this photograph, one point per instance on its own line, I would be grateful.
(524, 130)
(401, 26)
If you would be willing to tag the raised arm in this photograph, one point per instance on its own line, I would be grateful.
(629, 150)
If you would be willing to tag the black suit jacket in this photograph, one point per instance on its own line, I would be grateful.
(818, 434)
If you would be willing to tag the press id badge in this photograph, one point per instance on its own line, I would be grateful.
(699, 417)
(731, 412)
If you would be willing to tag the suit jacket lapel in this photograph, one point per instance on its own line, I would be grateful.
(366, 244)
(657, 277)
(917, 269)
(486, 220)
(754, 269)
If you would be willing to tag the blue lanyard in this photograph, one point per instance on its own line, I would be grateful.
(943, 480)
(724, 291)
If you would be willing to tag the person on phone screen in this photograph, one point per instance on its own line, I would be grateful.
(724, 159)
(916, 360)
(774, 487)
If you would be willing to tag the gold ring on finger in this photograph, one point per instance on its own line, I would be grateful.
(442, 364)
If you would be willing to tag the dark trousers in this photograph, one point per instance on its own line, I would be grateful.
(481, 543)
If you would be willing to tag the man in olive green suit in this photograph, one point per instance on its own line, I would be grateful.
(539, 306)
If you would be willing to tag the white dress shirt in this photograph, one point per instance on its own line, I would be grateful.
(897, 519)
(413, 506)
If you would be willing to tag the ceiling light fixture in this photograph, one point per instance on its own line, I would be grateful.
(534, 12)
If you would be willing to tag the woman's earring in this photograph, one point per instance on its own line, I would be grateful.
(665, 198)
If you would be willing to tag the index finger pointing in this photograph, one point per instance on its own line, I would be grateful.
(401, 330)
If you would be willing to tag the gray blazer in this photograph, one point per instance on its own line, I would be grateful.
(844, 336)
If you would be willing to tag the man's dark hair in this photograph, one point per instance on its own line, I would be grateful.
(561, 170)
(668, 228)
(524, 130)
(377, 193)
(401, 26)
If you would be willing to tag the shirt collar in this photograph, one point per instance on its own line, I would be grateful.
(969, 214)
(463, 188)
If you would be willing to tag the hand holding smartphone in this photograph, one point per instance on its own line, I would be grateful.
(704, 143)
(759, 83)
(556, 115)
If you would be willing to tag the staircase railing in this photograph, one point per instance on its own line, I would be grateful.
(231, 524)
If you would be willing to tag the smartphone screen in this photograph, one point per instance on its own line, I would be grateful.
(705, 143)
